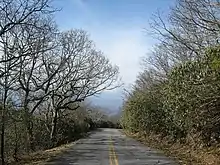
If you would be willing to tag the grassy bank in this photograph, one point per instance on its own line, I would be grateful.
(41, 157)
(185, 154)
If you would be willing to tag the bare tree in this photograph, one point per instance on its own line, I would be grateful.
(191, 27)
(31, 44)
(6, 83)
(43, 71)
(18, 13)
(87, 72)
(16, 17)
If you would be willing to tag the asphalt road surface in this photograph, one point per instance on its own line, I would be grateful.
(110, 147)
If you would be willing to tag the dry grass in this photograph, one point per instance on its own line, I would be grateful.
(41, 157)
(184, 154)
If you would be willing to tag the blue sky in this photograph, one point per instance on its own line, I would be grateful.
(117, 27)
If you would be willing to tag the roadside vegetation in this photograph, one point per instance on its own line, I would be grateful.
(174, 103)
(46, 76)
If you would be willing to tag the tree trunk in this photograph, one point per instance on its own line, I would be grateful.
(15, 154)
(3, 137)
(31, 136)
(4, 107)
(54, 128)
(29, 131)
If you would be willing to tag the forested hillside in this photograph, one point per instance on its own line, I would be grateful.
(177, 95)
(45, 77)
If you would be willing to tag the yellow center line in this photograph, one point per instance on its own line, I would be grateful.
(112, 155)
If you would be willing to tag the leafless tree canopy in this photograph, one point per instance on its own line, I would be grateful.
(44, 73)
(191, 27)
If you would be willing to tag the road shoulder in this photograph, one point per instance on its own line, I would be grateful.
(182, 153)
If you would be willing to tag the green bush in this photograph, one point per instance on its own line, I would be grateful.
(185, 104)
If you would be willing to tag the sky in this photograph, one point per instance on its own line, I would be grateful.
(119, 28)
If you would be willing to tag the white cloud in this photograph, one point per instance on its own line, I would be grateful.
(123, 47)
(122, 44)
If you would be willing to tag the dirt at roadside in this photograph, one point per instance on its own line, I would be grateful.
(185, 155)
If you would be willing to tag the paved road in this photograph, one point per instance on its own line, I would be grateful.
(110, 147)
